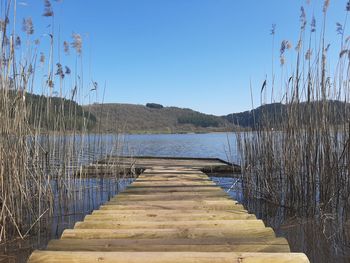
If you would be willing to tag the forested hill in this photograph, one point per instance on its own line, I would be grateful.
(275, 114)
(153, 118)
(49, 114)
(253, 118)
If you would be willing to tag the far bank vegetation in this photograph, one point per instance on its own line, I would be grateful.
(153, 118)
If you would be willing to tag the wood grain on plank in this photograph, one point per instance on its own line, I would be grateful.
(166, 257)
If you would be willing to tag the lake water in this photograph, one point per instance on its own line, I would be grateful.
(90, 148)
(322, 239)
(213, 145)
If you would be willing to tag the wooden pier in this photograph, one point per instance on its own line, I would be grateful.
(171, 213)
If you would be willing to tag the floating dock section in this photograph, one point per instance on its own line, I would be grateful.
(172, 212)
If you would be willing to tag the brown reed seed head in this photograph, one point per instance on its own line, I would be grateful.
(313, 24)
(302, 18)
(59, 71)
(18, 42)
(42, 58)
(343, 52)
(273, 30)
(48, 9)
(77, 43)
(67, 70)
(308, 54)
(27, 26)
(66, 47)
(340, 30)
(325, 6)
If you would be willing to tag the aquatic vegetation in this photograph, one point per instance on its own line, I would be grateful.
(43, 139)
(303, 160)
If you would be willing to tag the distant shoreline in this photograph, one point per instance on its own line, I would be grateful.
(144, 132)
(134, 133)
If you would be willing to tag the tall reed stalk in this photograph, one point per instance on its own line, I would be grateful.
(302, 159)
(42, 142)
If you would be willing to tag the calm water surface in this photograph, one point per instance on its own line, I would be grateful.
(322, 238)
(213, 145)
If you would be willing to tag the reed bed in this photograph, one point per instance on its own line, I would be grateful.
(298, 156)
(44, 139)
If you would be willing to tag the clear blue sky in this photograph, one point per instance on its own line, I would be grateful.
(199, 54)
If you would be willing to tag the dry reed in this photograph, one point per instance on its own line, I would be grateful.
(42, 142)
(303, 161)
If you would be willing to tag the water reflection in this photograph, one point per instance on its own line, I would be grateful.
(90, 194)
(324, 238)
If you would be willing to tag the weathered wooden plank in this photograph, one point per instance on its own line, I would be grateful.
(175, 195)
(170, 189)
(165, 257)
(146, 179)
(169, 224)
(182, 241)
(179, 184)
(167, 245)
(173, 182)
(186, 208)
(176, 217)
(205, 202)
(175, 206)
(169, 197)
(172, 193)
(257, 234)
(110, 209)
(178, 207)
(172, 178)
